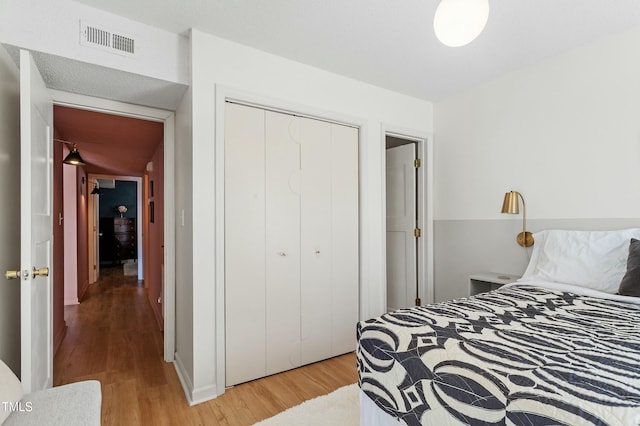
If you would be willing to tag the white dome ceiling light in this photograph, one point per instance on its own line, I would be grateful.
(459, 22)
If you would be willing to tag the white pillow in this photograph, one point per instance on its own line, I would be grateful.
(538, 243)
(591, 259)
(10, 390)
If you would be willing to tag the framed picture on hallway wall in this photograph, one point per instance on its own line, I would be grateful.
(151, 212)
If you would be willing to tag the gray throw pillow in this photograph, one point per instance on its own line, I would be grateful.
(630, 284)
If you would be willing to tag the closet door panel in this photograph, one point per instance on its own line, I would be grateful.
(244, 244)
(344, 237)
(316, 230)
(282, 243)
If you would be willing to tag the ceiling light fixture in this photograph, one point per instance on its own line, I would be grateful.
(458, 22)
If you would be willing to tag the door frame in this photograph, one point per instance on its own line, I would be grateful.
(94, 224)
(424, 151)
(90, 103)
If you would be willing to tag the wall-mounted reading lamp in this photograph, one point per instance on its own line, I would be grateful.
(96, 188)
(510, 205)
(73, 158)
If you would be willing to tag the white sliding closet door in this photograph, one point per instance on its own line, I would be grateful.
(291, 241)
(245, 265)
(316, 239)
(282, 179)
(329, 238)
(344, 238)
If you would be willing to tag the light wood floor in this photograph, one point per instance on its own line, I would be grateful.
(113, 337)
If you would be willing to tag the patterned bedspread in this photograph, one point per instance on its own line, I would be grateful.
(520, 355)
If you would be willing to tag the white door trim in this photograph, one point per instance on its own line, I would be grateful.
(424, 142)
(224, 94)
(168, 118)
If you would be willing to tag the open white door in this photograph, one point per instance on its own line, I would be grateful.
(93, 219)
(401, 222)
(36, 127)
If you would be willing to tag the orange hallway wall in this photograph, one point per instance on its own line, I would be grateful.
(155, 256)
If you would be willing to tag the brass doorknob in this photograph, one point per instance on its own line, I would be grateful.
(13, 275)
(42, 272)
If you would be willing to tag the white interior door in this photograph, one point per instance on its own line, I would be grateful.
(329, 240)
(282, 221)
(345, 254)
(401, 222)
(245, 261)
(317, 310)
(93, 220)
(36, 127)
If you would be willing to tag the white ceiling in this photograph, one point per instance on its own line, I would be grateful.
(390, 43)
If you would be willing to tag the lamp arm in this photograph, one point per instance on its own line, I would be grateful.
(63, 141)
(524, 215)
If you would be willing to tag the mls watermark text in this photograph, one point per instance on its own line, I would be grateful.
(18, 406)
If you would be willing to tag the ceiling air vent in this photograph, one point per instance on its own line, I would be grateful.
(122, 43)
(111, 41)
(97, 36)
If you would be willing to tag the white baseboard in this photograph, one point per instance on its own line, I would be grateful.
(204, 394)
(194, 396)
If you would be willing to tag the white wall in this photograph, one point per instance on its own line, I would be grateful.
(9, 211)
(184, 240)
(54, 27)
(218, 64)
(564, 132)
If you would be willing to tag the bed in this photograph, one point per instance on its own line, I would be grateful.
(558, 347)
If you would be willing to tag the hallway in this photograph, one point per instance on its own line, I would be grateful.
(113, 337)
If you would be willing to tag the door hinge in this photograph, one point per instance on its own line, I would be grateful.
(416, 163)
(417, 232)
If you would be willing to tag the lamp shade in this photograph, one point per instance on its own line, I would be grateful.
(74, 158)
(510, 203)
(459, 22)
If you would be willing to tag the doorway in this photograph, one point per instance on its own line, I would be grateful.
(407, 227)
(155, 201)
(124, 247)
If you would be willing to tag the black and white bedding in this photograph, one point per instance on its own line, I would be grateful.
(523, 354)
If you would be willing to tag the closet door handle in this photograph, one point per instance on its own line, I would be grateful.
(281, 253)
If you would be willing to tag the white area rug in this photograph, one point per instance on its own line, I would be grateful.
(340, 407)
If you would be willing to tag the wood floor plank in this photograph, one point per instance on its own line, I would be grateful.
(113, 337)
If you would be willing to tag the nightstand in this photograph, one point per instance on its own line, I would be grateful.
(487, 281)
